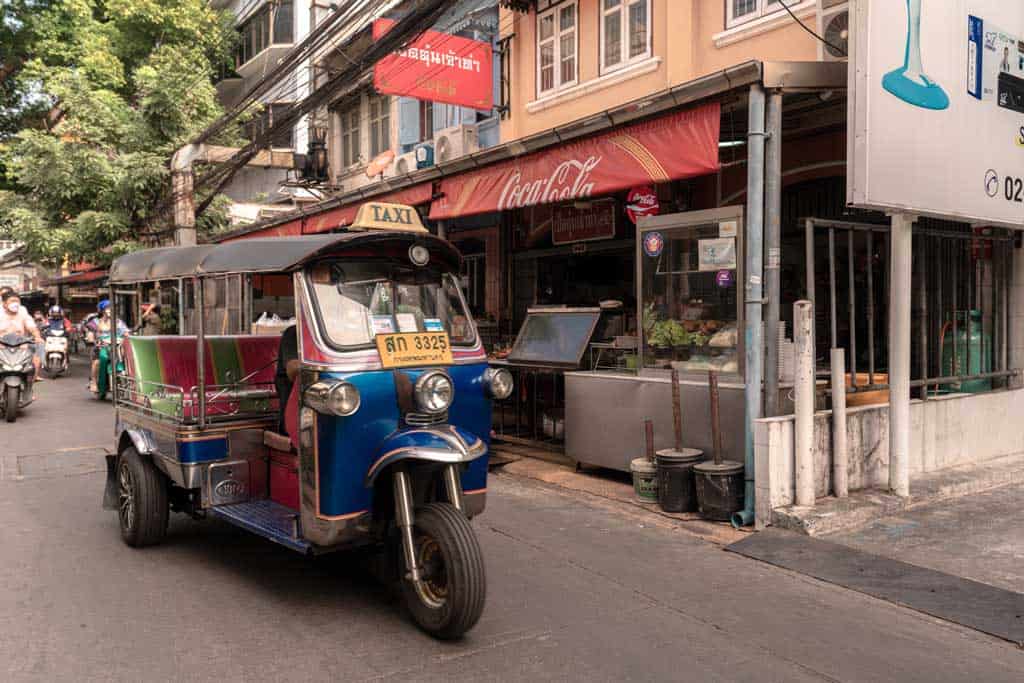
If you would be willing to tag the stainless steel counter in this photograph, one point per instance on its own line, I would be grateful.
(604, 414)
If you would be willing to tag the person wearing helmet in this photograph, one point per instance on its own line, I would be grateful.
(101, 326)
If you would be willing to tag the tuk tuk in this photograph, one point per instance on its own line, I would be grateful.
(366, 422)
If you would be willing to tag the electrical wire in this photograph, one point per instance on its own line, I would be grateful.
(810, 30)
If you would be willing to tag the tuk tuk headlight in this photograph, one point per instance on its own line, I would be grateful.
(434, 392)
(498, 382)
(333, 398)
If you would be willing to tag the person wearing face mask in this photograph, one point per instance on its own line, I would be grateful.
(16, 320)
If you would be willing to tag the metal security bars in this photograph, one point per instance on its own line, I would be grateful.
(961, 300)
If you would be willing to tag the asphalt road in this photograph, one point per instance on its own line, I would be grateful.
(578, 590)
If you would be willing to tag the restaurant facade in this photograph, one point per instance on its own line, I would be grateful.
(668, 228)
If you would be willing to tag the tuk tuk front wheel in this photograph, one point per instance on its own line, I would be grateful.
(449, 599)
(142, 503)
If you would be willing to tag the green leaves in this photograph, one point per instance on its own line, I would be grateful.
(97, 94)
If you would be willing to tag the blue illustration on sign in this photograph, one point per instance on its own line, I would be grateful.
(654, 242)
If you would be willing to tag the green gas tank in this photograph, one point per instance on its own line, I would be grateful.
(973, 352)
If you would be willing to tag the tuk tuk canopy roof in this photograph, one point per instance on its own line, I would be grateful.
(259, 255)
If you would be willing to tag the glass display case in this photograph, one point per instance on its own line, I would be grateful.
(690, 272)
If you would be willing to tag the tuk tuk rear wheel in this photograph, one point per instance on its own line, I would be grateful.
(142, 502)
(450, 598)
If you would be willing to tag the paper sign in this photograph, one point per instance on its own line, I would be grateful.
(406, 322)
(433, 325)
(383, 324)
(717, 254)
(727, 229)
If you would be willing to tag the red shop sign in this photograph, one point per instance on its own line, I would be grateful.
(642, 201)
(439, 67)
(570, 224)
(673, 147)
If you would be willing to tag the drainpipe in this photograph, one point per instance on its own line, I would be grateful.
(182, 191)
(754, 333)
(773, 251)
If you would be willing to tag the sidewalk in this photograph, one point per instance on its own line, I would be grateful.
(615, 489)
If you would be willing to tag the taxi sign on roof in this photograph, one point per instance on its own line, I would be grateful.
(384, 216)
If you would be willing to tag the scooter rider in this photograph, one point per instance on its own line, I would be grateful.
(101, 326)
(15, 320)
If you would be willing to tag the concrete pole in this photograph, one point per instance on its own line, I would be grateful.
(840, 457)
(183, 194)
(773, 251)
(899, 353)
(184, 208)
(803, 336)
(754, 294)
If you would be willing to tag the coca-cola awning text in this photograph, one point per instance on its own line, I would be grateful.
(673, 147)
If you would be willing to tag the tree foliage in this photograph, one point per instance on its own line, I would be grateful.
(97, 96)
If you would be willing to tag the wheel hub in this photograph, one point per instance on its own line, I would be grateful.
(126, 496)
(433, 586)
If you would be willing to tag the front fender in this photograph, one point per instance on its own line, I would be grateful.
(12, 381)
(443, 443)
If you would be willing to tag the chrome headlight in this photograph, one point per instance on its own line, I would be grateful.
(434, 392)
(498, 382)
(333, 397)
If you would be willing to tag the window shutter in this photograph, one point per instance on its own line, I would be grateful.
(408, 121)
(440, 116)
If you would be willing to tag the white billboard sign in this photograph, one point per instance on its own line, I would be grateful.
(936, 123)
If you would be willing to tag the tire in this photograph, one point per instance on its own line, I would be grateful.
(12, 397)
(454, 591)
(142, 501)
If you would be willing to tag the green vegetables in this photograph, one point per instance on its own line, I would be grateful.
(668, 333)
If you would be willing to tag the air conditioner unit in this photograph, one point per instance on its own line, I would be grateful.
(834, 27)
(452, 143)
(404, 164)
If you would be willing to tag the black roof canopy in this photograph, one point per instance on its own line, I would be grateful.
(259, 255)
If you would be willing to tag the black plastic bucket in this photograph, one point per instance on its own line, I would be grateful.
(676, 488)
(719, 489)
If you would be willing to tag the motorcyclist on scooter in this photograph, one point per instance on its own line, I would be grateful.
(15, 319)
(101, 327)
(57, 321)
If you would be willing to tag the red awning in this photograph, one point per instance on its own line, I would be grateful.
(673, 147)
(339, 217)
(86, 278)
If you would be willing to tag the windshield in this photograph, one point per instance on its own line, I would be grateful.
(357, 300)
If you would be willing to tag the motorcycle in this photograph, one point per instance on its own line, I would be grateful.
(104, 375)
(55, 350)
(17, 374)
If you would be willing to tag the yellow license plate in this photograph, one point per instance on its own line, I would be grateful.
(408, 349)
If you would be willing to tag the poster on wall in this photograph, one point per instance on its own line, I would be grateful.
(936, 118)
(716, 254)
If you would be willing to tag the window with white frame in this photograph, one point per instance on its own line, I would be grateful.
(557, 45)
(380, 124)
(741, 11)
(625, 32)
(350, 135)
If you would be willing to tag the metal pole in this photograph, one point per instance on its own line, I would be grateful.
(840, 481)
(754, 332)
(773, 250)
(851, 306)
(112, 355)
(922, 304)
(677, 412)
(803, 329)
(899, 354)
(716, 425)
(811, 275)
(832, 286)
(871, 307)
(198, 283)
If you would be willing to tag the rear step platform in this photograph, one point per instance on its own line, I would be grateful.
(268, 519)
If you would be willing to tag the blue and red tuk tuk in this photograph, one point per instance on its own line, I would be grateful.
(367, 422)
